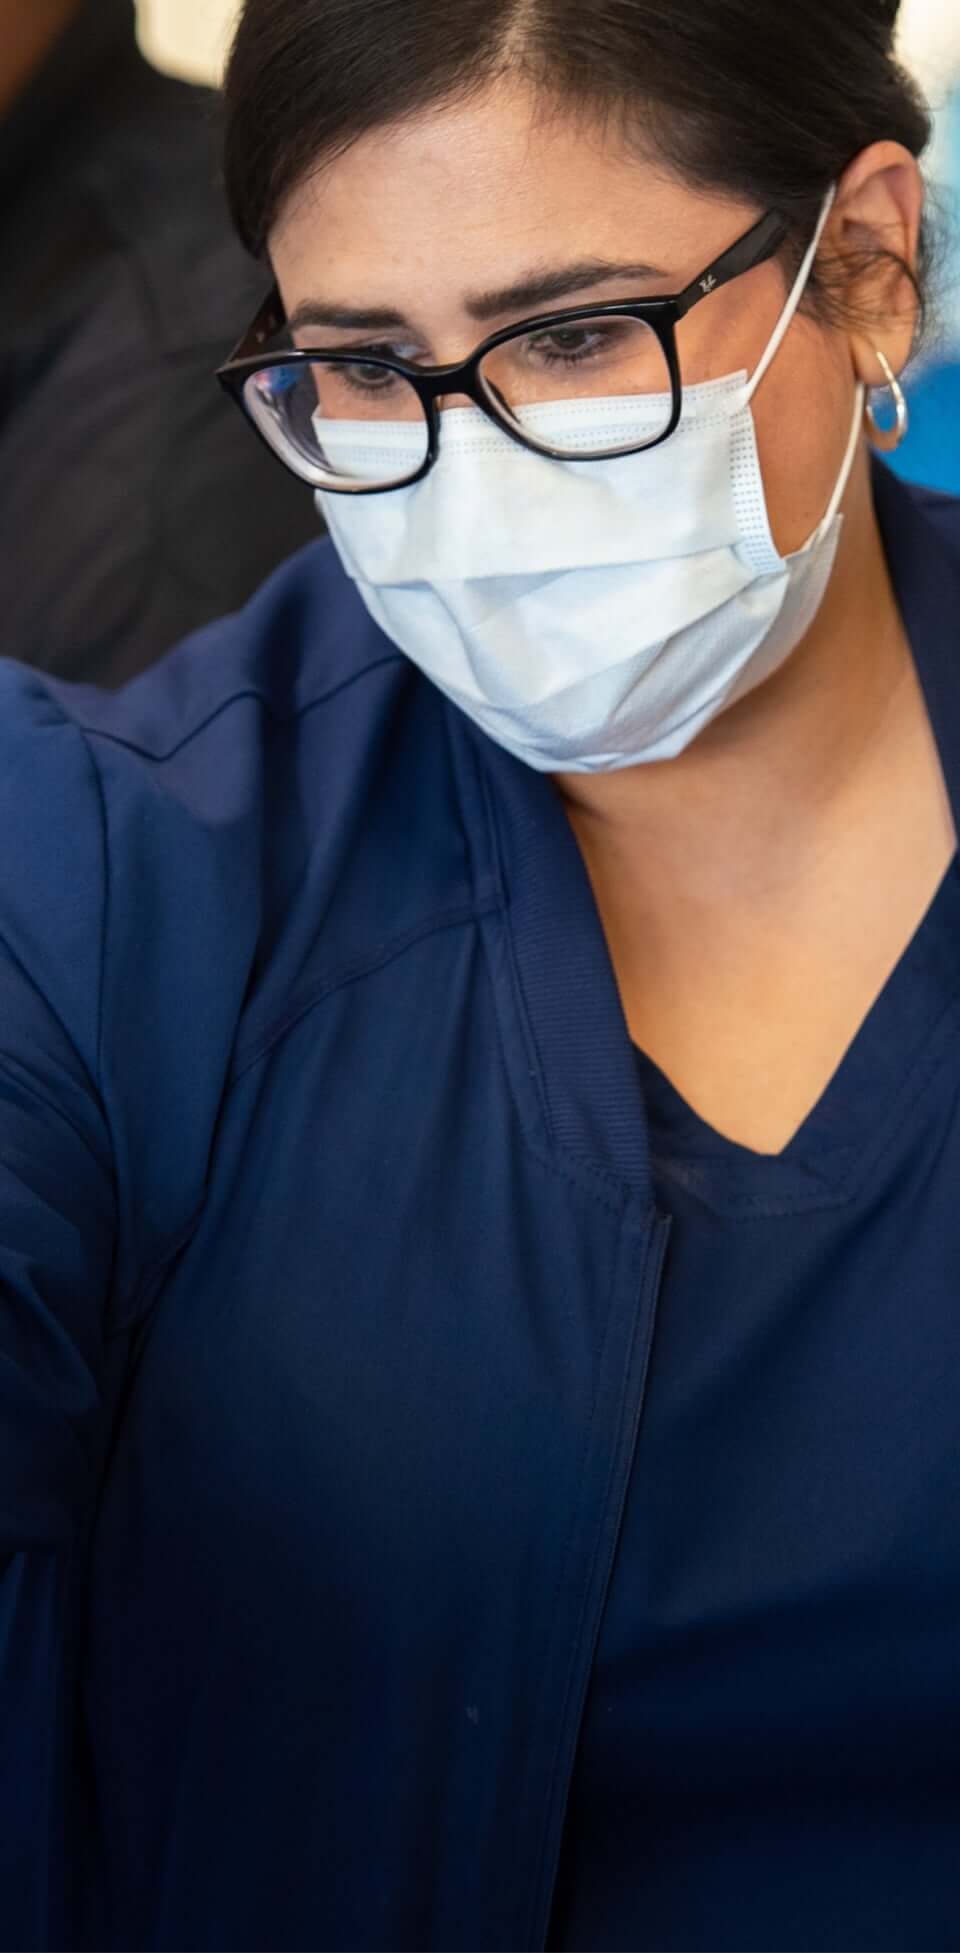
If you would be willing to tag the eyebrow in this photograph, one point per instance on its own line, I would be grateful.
(529, 294)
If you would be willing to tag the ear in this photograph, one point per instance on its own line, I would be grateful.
(879, 208)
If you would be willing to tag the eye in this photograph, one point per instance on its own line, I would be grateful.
(576, 344)
(360, 377)
(368, 379)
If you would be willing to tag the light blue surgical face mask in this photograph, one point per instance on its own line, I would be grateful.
(592, 616)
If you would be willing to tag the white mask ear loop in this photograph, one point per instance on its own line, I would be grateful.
(853, 444)
(800, 286)
(783, 327)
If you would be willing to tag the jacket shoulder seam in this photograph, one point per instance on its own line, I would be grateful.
(299, 1005)
(160, 756)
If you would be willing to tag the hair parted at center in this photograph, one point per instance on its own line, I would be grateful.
(764, 100)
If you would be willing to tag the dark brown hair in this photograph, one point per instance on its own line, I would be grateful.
(765, 99)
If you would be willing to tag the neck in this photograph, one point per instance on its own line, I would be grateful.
(737, 807)
(28, 31)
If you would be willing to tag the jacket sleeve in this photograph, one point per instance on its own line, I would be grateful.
(56, 1246)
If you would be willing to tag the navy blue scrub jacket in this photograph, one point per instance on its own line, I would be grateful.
(350, 1324)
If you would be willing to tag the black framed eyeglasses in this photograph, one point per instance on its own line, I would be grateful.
(362, 422)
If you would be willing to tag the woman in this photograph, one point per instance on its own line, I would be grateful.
(480, 1048)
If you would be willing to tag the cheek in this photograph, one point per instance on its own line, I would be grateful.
(803, 410)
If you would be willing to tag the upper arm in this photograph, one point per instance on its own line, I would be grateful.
(56, 1180)
(56, 1248)
(56, 1245)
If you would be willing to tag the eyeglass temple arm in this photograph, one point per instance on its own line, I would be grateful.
(759, 244)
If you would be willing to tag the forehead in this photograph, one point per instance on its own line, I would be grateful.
(464, 194)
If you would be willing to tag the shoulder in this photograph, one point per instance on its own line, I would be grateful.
(273, 728)
(304, 642)
(941, 510)
(920, 528)
(287, 758)
(270, 805)
(903, 501)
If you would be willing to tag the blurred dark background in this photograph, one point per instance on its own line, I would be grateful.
(134, 502)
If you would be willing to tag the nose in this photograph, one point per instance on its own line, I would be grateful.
(454, 400)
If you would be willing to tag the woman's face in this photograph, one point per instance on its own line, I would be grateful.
(433, 222)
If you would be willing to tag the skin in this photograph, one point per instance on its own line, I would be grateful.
(28, 30)
(756, 892)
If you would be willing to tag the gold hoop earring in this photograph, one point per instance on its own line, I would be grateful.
(888, 439)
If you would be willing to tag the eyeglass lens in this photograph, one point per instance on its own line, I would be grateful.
(353, 424)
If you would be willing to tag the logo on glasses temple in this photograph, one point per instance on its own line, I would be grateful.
(708, 284)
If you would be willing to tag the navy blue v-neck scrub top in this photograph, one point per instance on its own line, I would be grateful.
(450, 1498)
(782, 1445)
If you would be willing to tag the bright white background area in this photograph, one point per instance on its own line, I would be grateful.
(190, 36)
